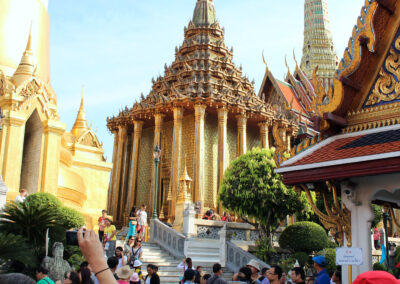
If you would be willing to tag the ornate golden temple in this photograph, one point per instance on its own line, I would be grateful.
(202, 112)
(36, 151)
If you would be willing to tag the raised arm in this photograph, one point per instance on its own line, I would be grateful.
(93, 252)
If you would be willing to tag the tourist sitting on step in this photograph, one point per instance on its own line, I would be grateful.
(136, 252)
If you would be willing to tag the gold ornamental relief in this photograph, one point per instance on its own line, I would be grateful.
(387, 86)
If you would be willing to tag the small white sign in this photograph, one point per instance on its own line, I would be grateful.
(349, 256)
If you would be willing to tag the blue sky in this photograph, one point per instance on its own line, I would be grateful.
(114, 48)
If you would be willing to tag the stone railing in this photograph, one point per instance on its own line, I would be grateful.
(207, 229)
(237, 257)
(168, 238)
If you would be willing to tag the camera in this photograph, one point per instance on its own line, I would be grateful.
(72, 237)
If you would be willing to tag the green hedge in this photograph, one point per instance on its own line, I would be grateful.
(304, 237)
(71, 218)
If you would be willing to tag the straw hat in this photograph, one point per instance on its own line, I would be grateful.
(124, 272)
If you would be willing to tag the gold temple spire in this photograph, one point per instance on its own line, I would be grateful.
(80, 124)
(26, 67)
(204, 13)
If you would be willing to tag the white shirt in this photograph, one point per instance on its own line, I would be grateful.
(120, 262)
(19, 199)
(142, 218)
(148, 280)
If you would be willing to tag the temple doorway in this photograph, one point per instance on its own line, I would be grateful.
(31, 153)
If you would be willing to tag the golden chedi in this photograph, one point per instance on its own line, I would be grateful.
(36, 152)
(204, 108)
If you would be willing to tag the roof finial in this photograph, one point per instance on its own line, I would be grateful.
(294, 58)
(80, 124)
(204, 13)
(265, 62)
(287, 65)
(26, 68)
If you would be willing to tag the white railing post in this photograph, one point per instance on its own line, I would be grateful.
(222, 248)
(189, 217)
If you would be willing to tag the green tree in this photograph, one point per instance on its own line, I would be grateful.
(29, 221)
(253, 191)
(15, 248)
(303, 237)
(71, 218)
(378, 215)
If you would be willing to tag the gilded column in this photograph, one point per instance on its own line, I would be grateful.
(122, 195)
(289, 142)
(158, 121)
(136, 140)
(111, 191)
(176, 150)
(53, 130)
(264, 134)
(242, 138)
(14, 131)
(199, 114)
(222, 142)
(118, 169)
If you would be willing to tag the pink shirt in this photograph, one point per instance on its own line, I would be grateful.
(123, 282)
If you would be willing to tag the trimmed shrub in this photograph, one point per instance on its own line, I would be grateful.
(303, 237)
(301, 257)
(43, 199)
(71, 218)
(331, 244)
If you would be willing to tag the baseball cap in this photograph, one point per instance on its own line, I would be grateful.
(319, 259)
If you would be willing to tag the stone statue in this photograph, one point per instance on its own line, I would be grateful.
(56, 265)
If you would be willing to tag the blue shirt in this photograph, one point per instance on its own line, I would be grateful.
(322, 277)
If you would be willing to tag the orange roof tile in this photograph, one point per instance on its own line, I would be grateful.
(289, 95)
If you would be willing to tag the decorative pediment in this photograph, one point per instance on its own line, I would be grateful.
(386, 88)
(89, 138)
(363, 29)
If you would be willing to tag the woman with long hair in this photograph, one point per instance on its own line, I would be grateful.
(71, 277)
(132, 223)
(136, 252)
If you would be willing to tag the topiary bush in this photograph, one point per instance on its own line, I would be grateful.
(303, 237)
(330, 256)
(331, 244)
(71, 218)
(43, 199)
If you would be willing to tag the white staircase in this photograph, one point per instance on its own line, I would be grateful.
(167, 264)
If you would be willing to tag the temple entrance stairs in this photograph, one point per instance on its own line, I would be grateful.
(167, 264)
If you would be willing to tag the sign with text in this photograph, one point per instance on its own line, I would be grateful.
(349, 256)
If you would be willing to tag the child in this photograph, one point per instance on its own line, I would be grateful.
(137, 274)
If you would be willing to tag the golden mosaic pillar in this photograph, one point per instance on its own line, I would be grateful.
(124, 178)
(199, 114)
(114, 172)
(136, 140)
(176, 157)
(222, 147)
(118, 169)
(158, 121)
(264, 134)
(242, 138)
(52, 130)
